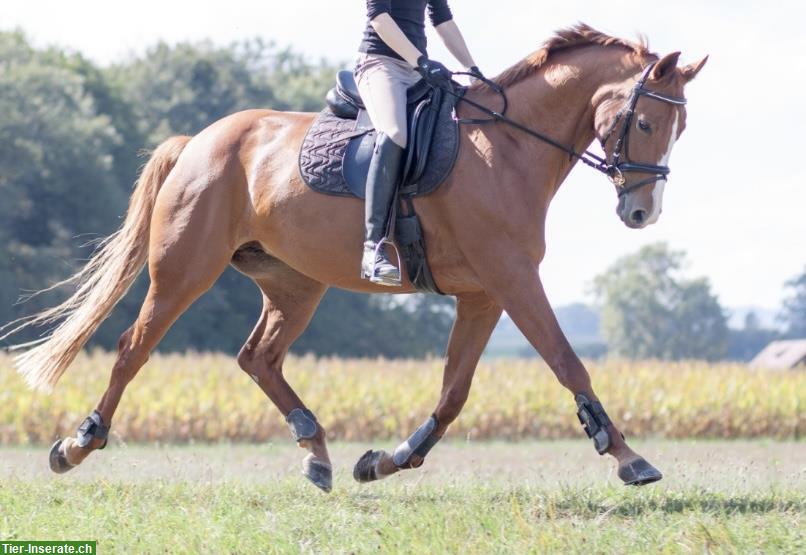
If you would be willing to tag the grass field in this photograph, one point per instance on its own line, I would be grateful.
(531, 497)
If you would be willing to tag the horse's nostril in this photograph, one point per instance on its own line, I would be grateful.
(638, 216)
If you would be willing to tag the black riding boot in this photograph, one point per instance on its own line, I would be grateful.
(384, 170)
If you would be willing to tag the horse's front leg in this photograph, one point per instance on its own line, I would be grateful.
(519, 290)
(476, 317)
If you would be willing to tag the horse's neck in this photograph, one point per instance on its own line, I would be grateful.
(558, 101)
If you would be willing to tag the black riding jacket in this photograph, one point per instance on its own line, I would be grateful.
(410, 17)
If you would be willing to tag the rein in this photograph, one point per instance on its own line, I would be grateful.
(614, 170)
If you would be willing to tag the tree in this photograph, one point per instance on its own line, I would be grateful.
(793, 314)
(57, 179)
(649, 311)
(182, 89)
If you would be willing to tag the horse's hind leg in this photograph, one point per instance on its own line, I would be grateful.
(180, 273)
(289, 301)
(476, 316)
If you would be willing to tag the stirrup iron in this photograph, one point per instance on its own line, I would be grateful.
(595, 421)
(373, 276)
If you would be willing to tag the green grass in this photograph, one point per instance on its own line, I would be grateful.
(538, 497)
(289, 516)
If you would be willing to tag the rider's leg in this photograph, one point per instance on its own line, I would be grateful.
(383, 83)
(384, 169)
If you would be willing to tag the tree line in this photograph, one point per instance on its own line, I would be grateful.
(73, 136)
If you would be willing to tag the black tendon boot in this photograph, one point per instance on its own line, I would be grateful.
(384, 170)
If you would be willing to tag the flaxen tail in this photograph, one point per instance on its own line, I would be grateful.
(101, 284)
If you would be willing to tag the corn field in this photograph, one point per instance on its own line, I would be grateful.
(207, 398)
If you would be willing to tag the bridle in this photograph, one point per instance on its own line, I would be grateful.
(618, 167)
(620, 163)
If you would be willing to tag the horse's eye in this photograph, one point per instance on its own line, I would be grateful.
(644, 126)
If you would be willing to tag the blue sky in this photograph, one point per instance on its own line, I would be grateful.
(736, 200)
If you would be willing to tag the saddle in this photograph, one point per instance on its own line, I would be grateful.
(337, 150)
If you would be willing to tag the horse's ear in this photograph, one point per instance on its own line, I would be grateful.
(690, 71)
(665, 67)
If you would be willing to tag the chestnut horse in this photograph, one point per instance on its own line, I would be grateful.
(233, 194)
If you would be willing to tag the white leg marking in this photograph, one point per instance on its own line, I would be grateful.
(657, 191)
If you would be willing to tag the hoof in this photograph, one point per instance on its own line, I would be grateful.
(638, 473)
(58, 462)
(364, 470)
(319, 473)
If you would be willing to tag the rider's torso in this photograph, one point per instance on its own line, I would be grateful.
(409, 16)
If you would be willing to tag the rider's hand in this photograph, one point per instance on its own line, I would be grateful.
(476, 76)
(434, 73)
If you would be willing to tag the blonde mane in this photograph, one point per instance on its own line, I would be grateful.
(579, 35)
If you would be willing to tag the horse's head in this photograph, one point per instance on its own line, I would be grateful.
(638, 122)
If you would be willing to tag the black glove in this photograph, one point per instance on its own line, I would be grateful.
(475, 72)
(476, 76)
(434, 73)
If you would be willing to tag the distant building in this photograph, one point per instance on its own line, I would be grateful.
(782, 355)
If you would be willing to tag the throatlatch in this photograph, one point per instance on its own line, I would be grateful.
(595, 421)
(92, 427)
(302, 423)
(419, 443)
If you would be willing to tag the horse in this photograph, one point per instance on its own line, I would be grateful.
(233, 195)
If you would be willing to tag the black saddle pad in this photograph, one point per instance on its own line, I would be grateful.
(333, 143)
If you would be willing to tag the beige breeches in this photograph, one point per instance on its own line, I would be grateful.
(382, 82)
